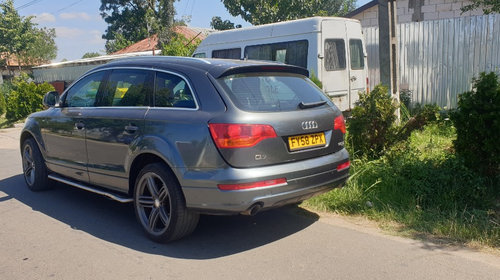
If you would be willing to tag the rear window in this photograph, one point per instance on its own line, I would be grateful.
(334, 54)
(357, 56)
(271, 92)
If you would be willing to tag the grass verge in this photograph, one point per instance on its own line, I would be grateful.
(420, 188)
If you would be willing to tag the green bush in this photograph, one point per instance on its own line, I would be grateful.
(4, 90)
(371, 127)
(25, 98)
(477, 121)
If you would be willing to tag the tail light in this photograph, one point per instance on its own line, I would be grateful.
(367, 85)
(343, 166)
(253, 185)
(339, 123)
(240, 135)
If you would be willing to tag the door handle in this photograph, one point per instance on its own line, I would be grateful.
(79, 125)
(131, 128)
(353, 78)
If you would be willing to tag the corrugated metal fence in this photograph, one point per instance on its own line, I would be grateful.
(438, 59)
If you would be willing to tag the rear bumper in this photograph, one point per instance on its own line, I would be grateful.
(304, 180)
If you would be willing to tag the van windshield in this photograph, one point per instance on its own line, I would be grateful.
(272, 92)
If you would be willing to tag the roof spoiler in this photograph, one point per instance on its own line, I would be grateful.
(264, 68)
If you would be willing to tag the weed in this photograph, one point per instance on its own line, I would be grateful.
(422, 185)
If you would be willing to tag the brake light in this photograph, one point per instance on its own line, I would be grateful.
(339, 123)
(367, 85)
(240, 135)
(253, 185)
(343, 166)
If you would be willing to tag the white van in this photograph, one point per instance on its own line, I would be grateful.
(318, 44)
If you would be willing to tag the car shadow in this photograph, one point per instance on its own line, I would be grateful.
(215, 236)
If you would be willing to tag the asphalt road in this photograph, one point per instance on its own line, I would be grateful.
(67, 233)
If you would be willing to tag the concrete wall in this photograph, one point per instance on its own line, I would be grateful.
(419, 10)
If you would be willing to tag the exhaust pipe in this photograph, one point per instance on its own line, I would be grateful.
(253, 210)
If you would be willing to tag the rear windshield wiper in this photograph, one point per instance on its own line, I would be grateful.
(303, 105)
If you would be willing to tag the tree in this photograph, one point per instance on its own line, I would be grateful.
(218, 24)
(180, 46)
(488, 6)
(91, 54)
(19, 37)
(42, 47)
(130, 21)
(261, 11)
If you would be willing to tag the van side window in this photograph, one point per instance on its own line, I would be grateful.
(127, 88)
(294, 52)
(200, 55)
(227, 53)
(83, 93)
(334, 54)
(172, 91)
(356, 51)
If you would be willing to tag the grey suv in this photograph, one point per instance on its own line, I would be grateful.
(184, 136)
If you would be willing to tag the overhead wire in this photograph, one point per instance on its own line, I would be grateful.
(69, 6)
(30, 3)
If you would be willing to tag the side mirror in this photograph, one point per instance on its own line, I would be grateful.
(50, 99)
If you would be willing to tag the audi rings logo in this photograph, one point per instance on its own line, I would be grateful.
(306, 125)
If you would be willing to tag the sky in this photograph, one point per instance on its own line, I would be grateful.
(79, 25)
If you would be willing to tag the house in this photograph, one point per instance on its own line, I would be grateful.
(9, 67)
(414, 11)
(439, 48)
(61, 74)
(148, 44)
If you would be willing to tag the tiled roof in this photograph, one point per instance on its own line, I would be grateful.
(12, 61)
(150, 43)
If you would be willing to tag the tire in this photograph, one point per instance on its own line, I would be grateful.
(34, 169)
(159, 205)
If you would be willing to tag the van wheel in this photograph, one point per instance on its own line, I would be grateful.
(159, 205)
(34, 169)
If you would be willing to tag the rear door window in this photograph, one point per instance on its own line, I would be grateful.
(127, 88)
(173, 91)
(334, 54)
(271, 92)
(356, 54)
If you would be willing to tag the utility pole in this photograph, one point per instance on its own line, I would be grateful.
(388, 48)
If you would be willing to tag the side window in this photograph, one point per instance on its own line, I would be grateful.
(83, 93)
(334, 54)
(294, 52)
(227, 53)
(357, 56)
(172, 91)
(200, 55)
(127, 88)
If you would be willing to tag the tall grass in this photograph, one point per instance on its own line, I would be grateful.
(425, 188)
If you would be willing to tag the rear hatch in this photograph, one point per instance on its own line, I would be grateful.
(275, 117)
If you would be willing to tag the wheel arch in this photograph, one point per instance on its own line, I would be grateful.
(143, 159)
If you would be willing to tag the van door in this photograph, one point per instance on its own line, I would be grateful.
(335, 74)
(356, 62)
